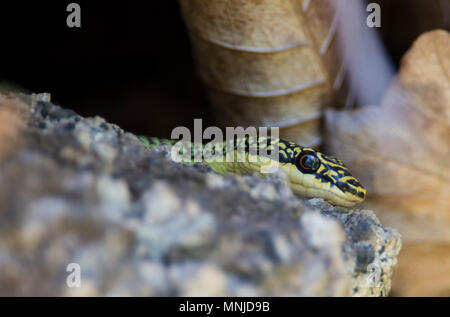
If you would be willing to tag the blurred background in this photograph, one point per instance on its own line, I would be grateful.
(131, 61)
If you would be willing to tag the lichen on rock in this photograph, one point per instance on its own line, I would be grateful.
(82, 190)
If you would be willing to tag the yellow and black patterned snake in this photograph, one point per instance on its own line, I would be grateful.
(309, 172)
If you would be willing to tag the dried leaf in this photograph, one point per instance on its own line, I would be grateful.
(401, 149)
(429, 264)
(266, 62)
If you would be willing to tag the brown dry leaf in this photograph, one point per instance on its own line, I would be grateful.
(401, 149)
(423, 270)
(266, 62)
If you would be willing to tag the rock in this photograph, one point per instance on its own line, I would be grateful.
(81, 190)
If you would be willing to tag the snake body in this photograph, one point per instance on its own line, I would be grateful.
(310, 173)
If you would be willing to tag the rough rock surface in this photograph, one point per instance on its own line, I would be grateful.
(83, 191)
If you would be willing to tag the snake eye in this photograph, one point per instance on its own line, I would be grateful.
(308, 162)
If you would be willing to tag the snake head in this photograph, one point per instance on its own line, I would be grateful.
(313, 174)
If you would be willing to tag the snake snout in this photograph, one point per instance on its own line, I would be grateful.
(353, 190)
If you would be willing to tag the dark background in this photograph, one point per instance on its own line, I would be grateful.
(131, 62)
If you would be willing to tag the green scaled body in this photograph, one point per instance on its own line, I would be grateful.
(309, 173)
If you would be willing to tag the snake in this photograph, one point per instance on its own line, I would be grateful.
(310, 173)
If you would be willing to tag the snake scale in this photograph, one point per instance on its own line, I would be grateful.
(310, 173)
